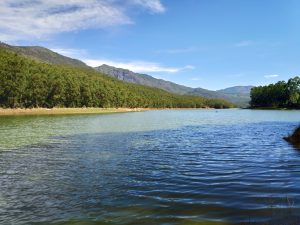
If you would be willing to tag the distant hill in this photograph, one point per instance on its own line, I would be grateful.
(43, 54)
(205, 93)
(236, 90)
(240, 99)
(239, 95)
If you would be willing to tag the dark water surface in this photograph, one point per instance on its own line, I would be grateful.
(157, 167)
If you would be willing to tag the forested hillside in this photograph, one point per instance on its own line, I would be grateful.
(29, 83)
(48, 56)
(280, 95)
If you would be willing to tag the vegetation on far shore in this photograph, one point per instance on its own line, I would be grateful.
(26, 83)
(277, 96)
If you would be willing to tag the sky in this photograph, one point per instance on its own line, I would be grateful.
(211, 44)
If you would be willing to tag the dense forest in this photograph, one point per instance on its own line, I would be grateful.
(280, 95)
(28, 83)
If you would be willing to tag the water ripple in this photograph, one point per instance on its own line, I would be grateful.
(188, 175)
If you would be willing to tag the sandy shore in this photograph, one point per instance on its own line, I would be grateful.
(65, 111)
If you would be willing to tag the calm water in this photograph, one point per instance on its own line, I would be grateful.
(156, 167)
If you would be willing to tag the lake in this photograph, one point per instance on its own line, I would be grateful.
(153, 167)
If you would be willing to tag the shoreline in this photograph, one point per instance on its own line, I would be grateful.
(78, 111)
(270, 108)
(64, 111)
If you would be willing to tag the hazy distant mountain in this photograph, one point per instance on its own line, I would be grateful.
(237, 95)
(236, 90)
(43, 54)
(205, 93)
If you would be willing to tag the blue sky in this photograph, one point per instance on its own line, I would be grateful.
(211, 44)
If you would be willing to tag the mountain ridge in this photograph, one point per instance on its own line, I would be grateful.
(237, 89)
(44, 54)
(144, 79)
(232, 93)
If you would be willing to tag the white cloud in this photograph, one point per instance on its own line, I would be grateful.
(189, 67)
(244, 44)
(195, 79)
(271, 76)
(154, 5)
(134, 65)
(25, 19)
(137, 66)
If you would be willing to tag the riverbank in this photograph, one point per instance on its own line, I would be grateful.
(65, 111)
(70, 111)
(294, 139)
(271, 108)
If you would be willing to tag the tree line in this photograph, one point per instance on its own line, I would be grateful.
(28, 83)
(279, 95)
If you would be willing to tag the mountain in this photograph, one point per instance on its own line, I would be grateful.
(239, 95)
(236, 90)
(240, 99)
(205, 93)
(25, 82)
(43, 54)
(143, 79)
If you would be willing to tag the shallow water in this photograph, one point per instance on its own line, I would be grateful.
(155, 167)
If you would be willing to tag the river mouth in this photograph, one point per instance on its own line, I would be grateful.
(204, 173)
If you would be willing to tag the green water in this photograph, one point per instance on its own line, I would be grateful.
(155, 167)
(16, 131)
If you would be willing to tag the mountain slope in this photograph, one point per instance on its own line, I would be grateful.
(30, 83)
(238, 94)
(143, 79)
(43, 54)
(241, 100)
(48, 56)
(230, 94)
(236, 90)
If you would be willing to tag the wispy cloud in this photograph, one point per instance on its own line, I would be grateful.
(195, 79)
(178, 50)
(244, 44)
(137, 66)
(153, 5)
(70, 52)
(271, 76)
(24, 19)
